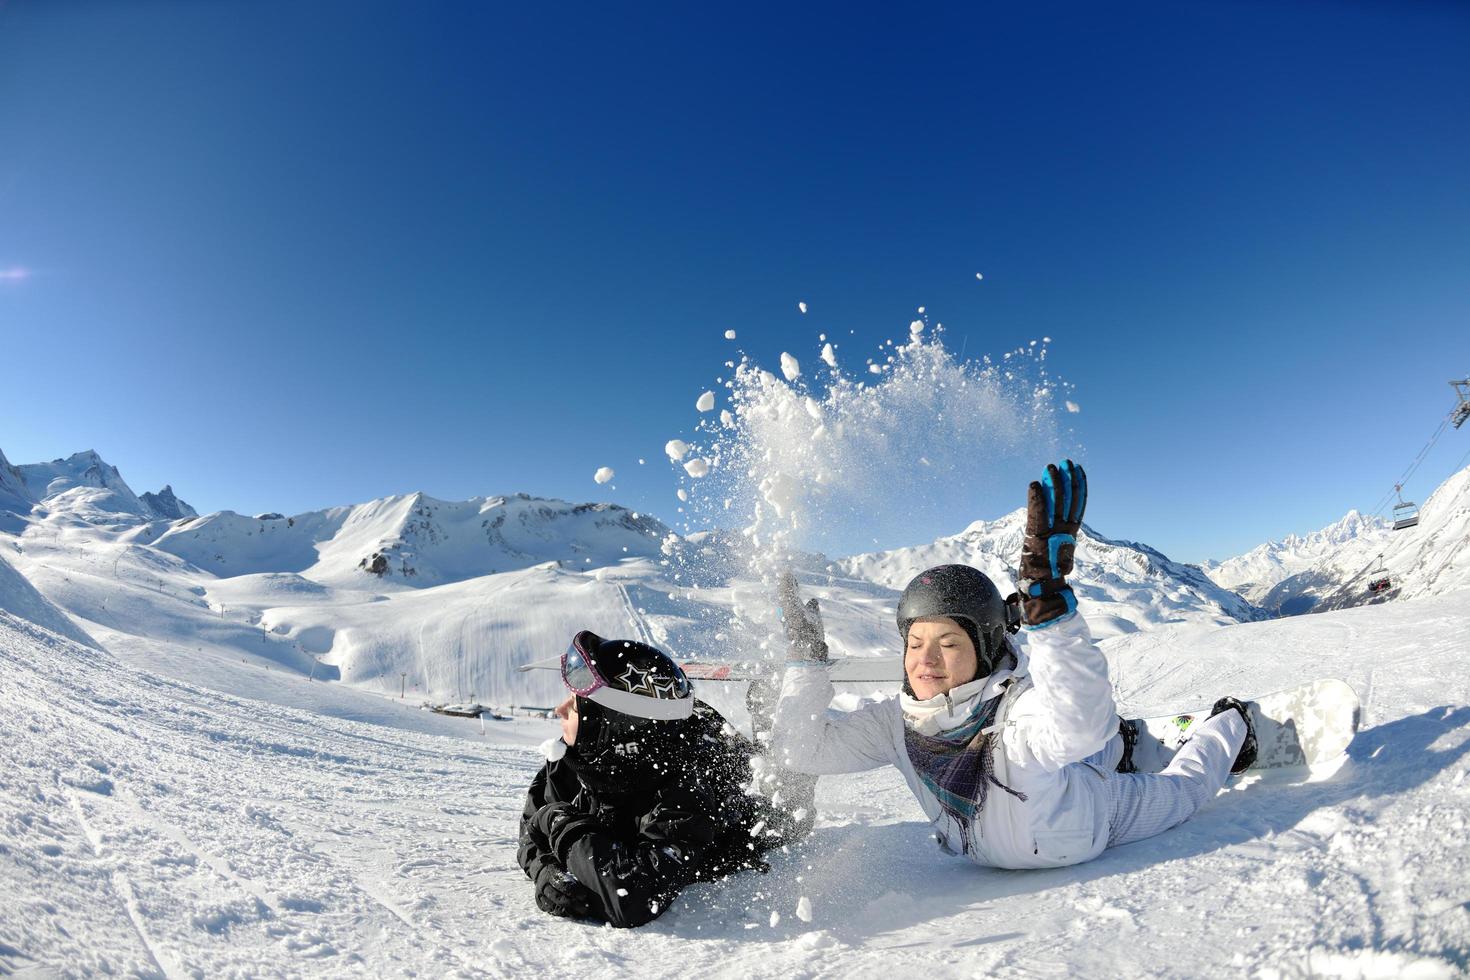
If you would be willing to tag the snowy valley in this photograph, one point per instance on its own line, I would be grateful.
(212, 772)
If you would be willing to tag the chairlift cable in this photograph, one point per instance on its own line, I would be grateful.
(1413, 466)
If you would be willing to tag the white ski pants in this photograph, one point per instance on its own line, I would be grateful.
(1143, 804)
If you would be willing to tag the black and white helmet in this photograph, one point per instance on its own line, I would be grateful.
(628, 677)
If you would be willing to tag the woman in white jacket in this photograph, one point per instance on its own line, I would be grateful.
(1014, 750)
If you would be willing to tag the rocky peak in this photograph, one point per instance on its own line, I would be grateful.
(164, 504)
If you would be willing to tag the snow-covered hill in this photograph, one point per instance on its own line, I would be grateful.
(155, 827)
(1123, 587)
(1257, 572)
(19, 598)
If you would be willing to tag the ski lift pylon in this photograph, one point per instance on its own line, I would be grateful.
(1405, 513)
(1461, 412)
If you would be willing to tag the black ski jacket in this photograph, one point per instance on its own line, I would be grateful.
(633, 848)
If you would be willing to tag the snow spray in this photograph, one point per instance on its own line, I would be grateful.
(819, 460)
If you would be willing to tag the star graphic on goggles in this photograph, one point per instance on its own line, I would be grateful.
(637, 680)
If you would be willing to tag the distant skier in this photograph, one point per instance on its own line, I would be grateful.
(646, 791)
(1015, 753)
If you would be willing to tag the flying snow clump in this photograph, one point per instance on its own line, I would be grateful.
(729, 335)
(790, 366)
(677, 449)
(603, 474)
(697, 467)
(801, 307)
(829, 355)
(706, 401)
(1073, 407)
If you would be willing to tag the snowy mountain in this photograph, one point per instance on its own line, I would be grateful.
(1429, 559)
(83, 482)
(415, 540)
(15, 498)
(1257, 572)
(165, 505)
(451, 597)
(1332, 568)
(1121, 586)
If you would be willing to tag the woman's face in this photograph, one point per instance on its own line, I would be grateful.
(940, 657)
(567, 712)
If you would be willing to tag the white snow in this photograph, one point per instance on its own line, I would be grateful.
(677, 449)
(154, 826)
(697, 467)
(801, 307)
(1073, 407)
(729, 335)
(604, 474)
(706, 401)
(915, 329)
(790, 367)
(682, 494)
(829, 355)
(207, 768)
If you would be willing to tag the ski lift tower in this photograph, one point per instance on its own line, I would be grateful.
(1461, 411)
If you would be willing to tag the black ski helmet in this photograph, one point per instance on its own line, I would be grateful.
(965, 595)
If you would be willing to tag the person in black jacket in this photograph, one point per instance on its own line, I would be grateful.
(647, 790)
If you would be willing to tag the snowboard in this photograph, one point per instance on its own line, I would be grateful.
(1302, 726)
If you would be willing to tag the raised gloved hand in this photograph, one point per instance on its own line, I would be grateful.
(806, 640)
(560, 893)
(1054, 507)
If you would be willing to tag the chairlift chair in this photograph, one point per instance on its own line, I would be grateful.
(1461, 412)
(1405, 513)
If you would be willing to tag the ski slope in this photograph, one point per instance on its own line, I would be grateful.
(152, 826)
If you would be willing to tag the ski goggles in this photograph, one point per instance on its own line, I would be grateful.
(668, 698)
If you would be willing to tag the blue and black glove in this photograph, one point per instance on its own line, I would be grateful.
(806, 639)
(1054, 507)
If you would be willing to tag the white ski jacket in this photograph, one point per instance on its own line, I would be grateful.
(1058, 710)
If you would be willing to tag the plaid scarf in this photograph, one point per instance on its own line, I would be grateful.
(958, 766)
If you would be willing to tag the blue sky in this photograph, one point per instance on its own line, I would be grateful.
(287, 256)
